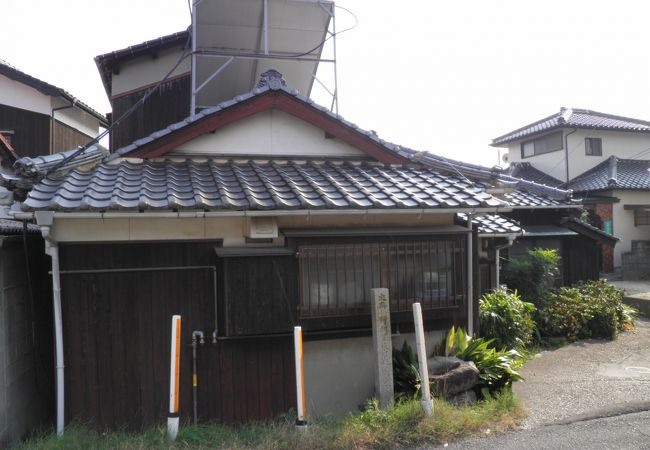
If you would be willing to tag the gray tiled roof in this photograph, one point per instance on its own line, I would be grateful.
(520, 197)
(526, 171)
(42, 165)
(588, 229)
(215, 186)
(522, 193)
(614, 173)
(271, 80)
(575, 118)
(490, 224)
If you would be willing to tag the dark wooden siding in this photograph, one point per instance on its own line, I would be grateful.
(261, 293)
(169, 104)
(581, 258)
(67, 138)
(31, 130)
(117, 332)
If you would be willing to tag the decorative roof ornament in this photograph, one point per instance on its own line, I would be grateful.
(271, 78)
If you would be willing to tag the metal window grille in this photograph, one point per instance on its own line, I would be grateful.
(335, 279)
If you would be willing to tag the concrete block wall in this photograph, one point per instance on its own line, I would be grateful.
(25, 391)
(339, 373)
(636, 263)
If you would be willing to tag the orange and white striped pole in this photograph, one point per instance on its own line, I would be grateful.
(300, 377)
(174, 378)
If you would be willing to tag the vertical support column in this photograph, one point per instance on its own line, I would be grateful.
(470, 278)
(383, 346)
(300, 377)
(421, 345)
(266, 27)
(174, 377)
(335, 98)
(193, 60)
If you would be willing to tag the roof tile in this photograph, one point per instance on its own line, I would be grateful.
(252, 185)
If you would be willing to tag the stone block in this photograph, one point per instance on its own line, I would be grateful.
(382, 345)
(462, 378)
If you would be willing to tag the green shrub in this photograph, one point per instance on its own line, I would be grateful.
(532, 275)
(592, 309)
(506, 318)
(406, 375)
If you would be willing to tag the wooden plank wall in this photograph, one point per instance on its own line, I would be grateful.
(262, 295)
(581, 257)
(67, 138)
(117, 332)
(32, 130)
(169, 104)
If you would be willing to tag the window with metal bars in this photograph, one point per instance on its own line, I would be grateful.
(336, 278)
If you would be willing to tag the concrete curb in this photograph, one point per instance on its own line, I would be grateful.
(619, 409)
(640, 302)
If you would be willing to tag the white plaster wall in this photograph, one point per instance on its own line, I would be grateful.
(339, 373)
(76, 118)
(623, 222)
(267, 134)
(231, 229)
(621, 144)
(18, 95)
(551, 163)
(144, 71)
(626, 145)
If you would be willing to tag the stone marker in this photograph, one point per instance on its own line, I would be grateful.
(383, 346)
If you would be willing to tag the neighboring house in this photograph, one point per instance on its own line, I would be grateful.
(127, 74)
(248, 218)
(37, 118)
(538, 216)
(602, 158)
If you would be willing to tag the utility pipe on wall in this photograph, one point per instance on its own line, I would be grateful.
(197, 339)
(470, 278)
(566, 152)
(45, 220)
(497, 251)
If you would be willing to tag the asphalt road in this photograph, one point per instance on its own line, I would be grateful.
(628, 431)
(588, 379)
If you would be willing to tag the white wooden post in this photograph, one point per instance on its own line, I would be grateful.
(174, 374)
(300, 377)
(420, 343)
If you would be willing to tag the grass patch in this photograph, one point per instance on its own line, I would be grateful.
(402, 426)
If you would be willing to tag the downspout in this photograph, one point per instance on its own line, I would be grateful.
(470, 277)
(566, 152)
(45, 220)
(497, 252)
(71, 105)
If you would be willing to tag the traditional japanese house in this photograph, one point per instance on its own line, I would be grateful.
(261, 213)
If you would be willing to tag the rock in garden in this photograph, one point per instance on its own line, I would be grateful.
(462, 378)
(441, 364)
